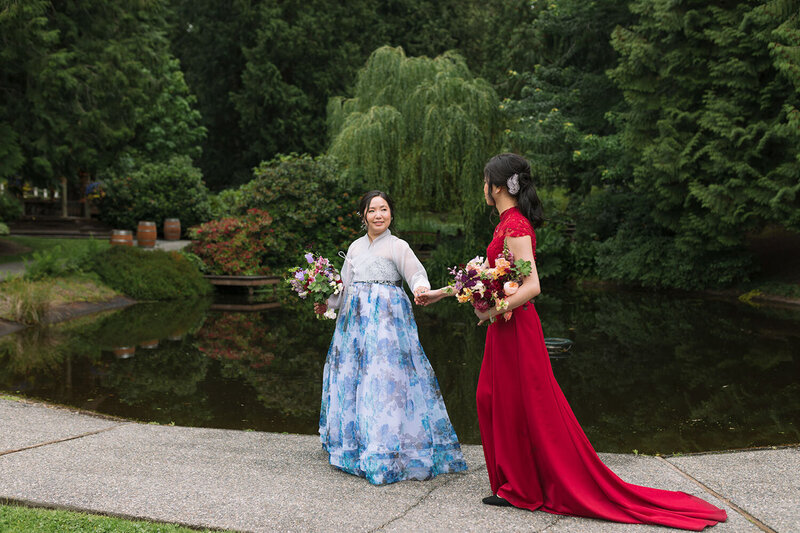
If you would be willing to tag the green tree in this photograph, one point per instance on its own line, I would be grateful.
(28, 45)
(560, 119)
(711, 93)
(168, 125)
(208, 37)
(304, 53)
(85, 82)
(264, 70)
(420, 128)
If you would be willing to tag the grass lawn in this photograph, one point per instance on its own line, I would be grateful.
(20, 248)
(16, 519)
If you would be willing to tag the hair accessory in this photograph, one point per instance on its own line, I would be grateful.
(513, 185)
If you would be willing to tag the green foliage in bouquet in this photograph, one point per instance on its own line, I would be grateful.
(150, 275)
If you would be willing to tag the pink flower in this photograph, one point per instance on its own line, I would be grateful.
(510, 287)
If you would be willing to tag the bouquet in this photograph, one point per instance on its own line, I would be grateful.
(486, 287)
(319, 279)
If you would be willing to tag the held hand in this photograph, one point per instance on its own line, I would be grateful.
(419, 293)
(320, 308)
(483, 316)
(429, 297)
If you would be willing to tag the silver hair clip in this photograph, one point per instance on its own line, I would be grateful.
(513, 185)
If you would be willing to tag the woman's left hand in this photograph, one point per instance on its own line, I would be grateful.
(483, 316)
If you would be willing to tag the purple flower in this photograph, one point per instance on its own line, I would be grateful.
(309, 257)
(299, 275)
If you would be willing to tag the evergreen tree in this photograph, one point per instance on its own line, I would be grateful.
(209, 38)
(304, 53)
(86, 82)
(420, 128)
(560, 119)
(712, 97)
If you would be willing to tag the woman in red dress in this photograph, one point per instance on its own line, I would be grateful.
(537, 455)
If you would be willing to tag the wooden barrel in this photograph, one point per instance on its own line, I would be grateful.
(121, 237)
(149, 345)
(146, 234)
(172, 229)
(124, 352)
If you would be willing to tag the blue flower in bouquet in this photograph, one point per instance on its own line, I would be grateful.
(320, 279)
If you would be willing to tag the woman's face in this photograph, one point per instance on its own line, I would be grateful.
(487, 192)
(378, 216)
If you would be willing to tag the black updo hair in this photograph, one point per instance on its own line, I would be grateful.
(503, 166)
(363, 205)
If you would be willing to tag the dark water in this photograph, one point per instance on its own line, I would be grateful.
(647, 371)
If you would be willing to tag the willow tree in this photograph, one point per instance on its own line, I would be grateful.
(420, 128)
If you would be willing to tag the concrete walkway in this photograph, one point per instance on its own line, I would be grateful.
(253, 481)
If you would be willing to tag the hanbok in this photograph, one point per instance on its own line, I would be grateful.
(382, 415)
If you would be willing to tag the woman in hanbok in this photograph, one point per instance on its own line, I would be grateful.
(537, 455)
(382, 415)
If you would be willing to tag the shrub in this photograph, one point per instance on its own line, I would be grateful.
(4, 229)
(155, 191)
(235, 245)
(310, 208)
(150, 275)
(225, 202)
(10, 207)
(60, 261)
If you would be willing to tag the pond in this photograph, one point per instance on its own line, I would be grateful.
(651, 372)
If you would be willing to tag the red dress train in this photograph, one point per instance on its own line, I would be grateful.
(537, 455)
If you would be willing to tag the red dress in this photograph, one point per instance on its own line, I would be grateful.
(536, 452)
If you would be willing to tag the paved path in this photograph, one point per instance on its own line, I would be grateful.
(253, 481)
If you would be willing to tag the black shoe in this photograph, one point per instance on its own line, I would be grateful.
(496, 500)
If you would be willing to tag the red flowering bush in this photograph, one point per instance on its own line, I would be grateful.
(311, 207)
(236, 246)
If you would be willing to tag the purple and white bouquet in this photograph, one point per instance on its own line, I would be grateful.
(319, 280)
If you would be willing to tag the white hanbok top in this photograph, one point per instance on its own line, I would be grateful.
(387, 259)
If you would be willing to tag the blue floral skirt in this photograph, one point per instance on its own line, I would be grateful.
(382, 414)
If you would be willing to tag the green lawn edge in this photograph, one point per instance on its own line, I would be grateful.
(22, 519)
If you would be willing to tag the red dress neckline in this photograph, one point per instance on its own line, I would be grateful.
(507, 213)
(512, 224)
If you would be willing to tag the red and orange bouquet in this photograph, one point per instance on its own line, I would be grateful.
(486, 287)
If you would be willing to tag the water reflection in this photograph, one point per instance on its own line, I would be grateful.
(646, 371)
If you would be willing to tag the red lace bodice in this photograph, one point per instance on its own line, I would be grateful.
(512, 224)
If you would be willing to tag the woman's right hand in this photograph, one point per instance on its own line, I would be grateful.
(429, 297)
(320, 308)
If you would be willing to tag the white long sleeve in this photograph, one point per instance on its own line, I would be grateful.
(409, 265)
(386, 259)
